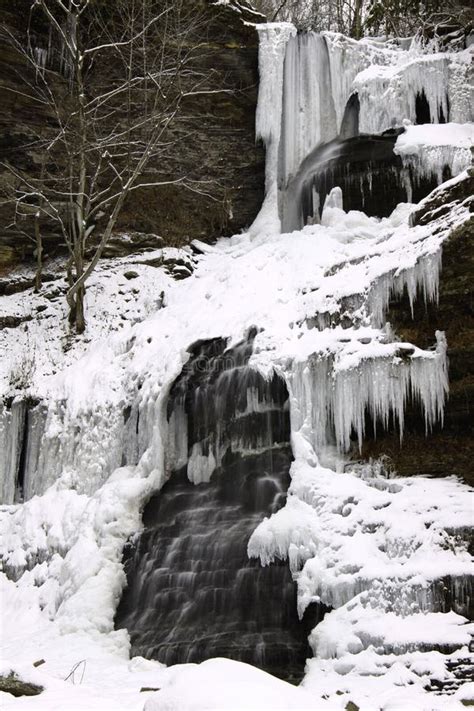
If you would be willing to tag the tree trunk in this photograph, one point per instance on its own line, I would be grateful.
(356, 29)
(80, 319)
(77, 289)
(39, 256)
(76, 315)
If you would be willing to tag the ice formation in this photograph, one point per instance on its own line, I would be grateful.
(429, 150)
(88, 439)
(443, 79)
(333, 401)
(324, 72)
(308, 117)
(273, 39)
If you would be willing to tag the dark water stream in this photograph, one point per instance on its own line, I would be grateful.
(192, 591)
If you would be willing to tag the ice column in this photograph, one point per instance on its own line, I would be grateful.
(309, 116)
(273, 38)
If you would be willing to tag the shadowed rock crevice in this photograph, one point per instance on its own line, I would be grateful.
(371, 176)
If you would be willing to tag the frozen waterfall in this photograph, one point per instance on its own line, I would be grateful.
(320, 87)
(190, 483)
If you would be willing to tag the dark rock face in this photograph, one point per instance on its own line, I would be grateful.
(192, 591)
(219, 147)
(449, 449)
(350, 120)
(370, 174)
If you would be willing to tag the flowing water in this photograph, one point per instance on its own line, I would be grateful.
(192, 591)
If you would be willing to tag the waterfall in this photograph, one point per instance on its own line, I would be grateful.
(192, 591)
(308, 114)
(192, 484)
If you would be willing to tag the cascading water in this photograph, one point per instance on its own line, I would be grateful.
(192, 591)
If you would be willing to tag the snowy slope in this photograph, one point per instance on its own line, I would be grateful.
(71, 541)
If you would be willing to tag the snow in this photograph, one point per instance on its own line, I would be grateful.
(373, 547)
(223, 684)
(359, 531)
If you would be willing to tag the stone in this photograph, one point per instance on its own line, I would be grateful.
(9, 321)
(12, 684)
(351, 706)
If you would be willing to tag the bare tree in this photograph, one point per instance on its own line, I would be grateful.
(337, 15)
(114, 80)
(356, 17)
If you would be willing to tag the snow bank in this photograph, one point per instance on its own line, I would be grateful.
(224, 685)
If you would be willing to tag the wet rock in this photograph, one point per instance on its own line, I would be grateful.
(178, 267)
(351, 706)
(10, 321)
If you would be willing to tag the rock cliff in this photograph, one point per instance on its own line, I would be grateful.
(220, 148)
(449, 449)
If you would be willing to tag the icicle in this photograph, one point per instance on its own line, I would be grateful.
(11, 438)
(423, 277)
(200, 465)
(273, 38)
(346, 59)
(441, 78)
(431, 162)
(330, 400)
(177, 446)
